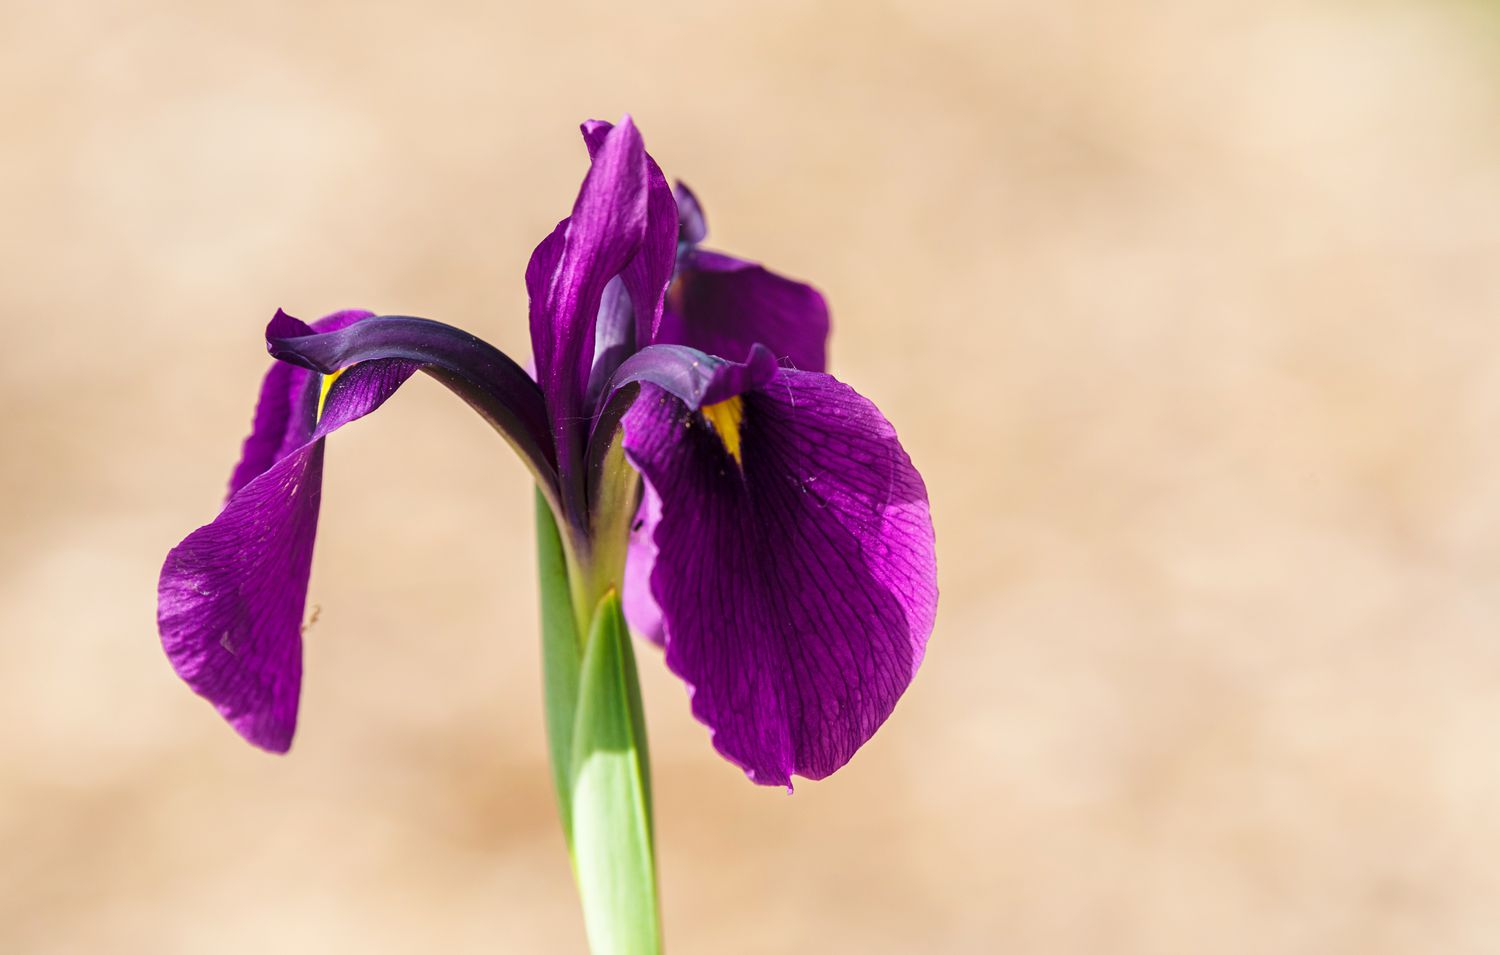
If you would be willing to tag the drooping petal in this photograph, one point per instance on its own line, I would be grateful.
(231, 596)
(566, 279)
(274, 424)
(647, 275)
(723, 305)
(796, 573)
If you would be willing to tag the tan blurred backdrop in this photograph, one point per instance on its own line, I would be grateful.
(1187, 311)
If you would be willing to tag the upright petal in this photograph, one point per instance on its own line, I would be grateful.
(647, 275)
(232, 594)
(692, 223)
(614, 337)
(796, 573)
(566, 279)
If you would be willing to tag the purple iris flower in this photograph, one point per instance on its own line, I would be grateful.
(779, 542)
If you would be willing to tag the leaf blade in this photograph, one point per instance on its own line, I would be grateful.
(613, 853)
(561, 658)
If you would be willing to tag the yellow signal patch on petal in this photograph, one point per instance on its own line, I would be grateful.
(725, 417)
(328, 381)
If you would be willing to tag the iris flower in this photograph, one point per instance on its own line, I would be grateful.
(759, 518)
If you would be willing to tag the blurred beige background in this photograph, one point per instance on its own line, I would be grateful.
(1188, 312)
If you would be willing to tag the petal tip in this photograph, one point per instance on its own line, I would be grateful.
(275, 739)
(284, 326)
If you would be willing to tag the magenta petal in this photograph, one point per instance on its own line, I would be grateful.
(641, 610)
(722, 305)
(231, 597)
(797, 589)
(232, 594)
(280, 424)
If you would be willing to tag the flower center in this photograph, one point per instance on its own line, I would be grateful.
(725, 417)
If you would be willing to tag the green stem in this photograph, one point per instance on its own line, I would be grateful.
(600, 764)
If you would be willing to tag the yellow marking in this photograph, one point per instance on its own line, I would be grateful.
(328, 381)
(725, 417)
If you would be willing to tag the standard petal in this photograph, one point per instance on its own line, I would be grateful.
(566, 279)
(796, 578)
(691, 220)
(648, 273)
(232, 594)
(723, 305)
(614, 337)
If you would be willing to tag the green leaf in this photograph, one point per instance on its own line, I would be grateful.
(561, 656)
(613, 856)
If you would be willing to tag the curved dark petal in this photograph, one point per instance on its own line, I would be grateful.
(647, 275)
(797, 585)
(691, 221)
(684, 373)
(280, 422)
(231, 596)
(566, 279)
(723, 305)
(485, 377)
(693, 376)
